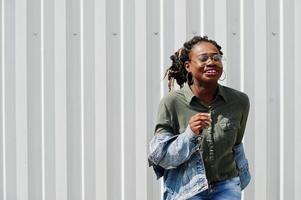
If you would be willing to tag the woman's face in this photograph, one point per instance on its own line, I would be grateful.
(205, 63)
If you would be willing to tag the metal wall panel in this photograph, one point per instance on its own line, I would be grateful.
(193, 18)
(273, 99)
(153, 88)
(179, 23)
(21, 189)
(297, 102)
(88, 85)
(81, 82)
(101, 146)
(114, 160)
(208, 18)
(74, 100)
(260, 101)
(247, 63)
(168, 39)
(9, 100)
(287, 91)
(60, 70)
(35, 114)
(141, 106)
(48, 97)
(233, 44)
(128, 92)
(2, 137)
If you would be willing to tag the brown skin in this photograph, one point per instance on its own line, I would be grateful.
(205, 77)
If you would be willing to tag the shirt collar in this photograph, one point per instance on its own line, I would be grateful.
(189, 94)
(221, 92)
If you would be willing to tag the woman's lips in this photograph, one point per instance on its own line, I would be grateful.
(211, 72)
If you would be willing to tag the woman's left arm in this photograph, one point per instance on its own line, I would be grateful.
(243, 121)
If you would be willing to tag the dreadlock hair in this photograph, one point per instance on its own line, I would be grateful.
(177, 70)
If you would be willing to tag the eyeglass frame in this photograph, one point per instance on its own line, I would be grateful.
(211, 57)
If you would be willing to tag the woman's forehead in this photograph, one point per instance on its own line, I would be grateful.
(204, 47)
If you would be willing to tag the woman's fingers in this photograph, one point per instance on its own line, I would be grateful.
(200, 121)
(203, 124)
(201, 117)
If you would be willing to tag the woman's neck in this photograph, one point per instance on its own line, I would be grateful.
(205, 92)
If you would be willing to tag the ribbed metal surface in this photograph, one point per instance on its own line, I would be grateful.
(81, 81)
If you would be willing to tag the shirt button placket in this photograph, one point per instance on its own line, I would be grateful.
(210, 141)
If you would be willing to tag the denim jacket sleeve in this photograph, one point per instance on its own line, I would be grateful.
(169, 151)
(242, 165)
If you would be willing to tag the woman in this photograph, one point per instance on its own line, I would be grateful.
(197, 143)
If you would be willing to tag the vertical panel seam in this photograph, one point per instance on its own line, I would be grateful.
(242, 55)
(202, 17)
(82, 93)
(161, 5)
(3, 101)
(281, 66)
(161, 46)
(122, 98)
(42, 101)
(242, 41)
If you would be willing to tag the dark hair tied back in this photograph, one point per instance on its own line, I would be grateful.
(177, 70)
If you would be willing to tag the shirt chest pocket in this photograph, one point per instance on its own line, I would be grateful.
(227, 130)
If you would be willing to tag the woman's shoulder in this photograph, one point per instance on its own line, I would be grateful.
(173, 98)
(232, 93)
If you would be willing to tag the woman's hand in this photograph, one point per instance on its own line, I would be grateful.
(199, 121)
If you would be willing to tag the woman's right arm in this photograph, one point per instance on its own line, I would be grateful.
(169, 150)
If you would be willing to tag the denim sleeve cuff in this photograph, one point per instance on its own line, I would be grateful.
(191, 134)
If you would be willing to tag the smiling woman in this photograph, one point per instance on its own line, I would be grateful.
(197, 145)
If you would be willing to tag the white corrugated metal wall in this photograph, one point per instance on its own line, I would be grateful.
(81, 81)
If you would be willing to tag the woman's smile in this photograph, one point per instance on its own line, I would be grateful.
(211, 72)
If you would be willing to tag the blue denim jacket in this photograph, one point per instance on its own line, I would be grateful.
(177, 158)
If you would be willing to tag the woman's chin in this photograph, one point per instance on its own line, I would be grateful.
(211, 79)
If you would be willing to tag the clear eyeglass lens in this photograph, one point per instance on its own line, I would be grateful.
(203, 58)
(215, 57)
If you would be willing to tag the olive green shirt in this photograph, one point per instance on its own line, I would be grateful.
(229, 112)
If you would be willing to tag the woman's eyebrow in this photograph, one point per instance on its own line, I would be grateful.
(206, 53)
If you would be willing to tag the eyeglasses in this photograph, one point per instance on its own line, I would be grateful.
(205, 57)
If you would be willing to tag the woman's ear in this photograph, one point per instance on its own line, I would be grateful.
(187, 67)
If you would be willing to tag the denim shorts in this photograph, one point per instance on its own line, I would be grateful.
(223, 190)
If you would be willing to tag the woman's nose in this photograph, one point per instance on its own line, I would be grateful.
(209, 60)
